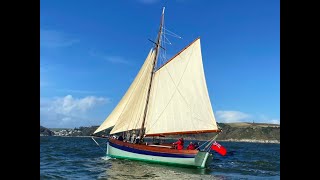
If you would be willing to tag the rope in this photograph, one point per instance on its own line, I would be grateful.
(97, 143)
(205, 142)
(209, 144)
(173, 34)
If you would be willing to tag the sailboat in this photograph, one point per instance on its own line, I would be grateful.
(168, 100)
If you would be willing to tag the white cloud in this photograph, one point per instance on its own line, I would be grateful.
(77, 91)
(232, 116)
(238, 116)
(116, 60)
(54, 39)
(111, 59)
(275, 121)
(266, 119)
(64, 111)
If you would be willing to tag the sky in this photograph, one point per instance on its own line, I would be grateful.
(90, 52)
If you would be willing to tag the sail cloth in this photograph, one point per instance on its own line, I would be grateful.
(128, 114)
(179, 100)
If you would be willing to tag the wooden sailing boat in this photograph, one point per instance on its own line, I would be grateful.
(170, 100)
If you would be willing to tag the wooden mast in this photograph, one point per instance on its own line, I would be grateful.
(152, 73)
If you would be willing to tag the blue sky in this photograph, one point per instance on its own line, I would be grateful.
(90, 52)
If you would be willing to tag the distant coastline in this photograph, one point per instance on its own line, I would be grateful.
(231, 132)
(252, 141)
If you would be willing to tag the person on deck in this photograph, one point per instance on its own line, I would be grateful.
(120, 138)
(137, 140)
(191, 146)
(179, 144)
(196, 145)
(133, 139)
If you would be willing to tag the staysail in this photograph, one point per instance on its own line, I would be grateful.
(179, 102)
(128, 113)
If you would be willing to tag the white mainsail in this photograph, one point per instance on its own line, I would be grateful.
(179, 101)
(128, 113)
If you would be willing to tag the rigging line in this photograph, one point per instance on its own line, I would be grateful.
(132, 92)
(168, 40)
(210, 143)
(174, 90)
(201, 120)
(206, 142)
(164, 52)
(173, 34)
(97, 143)
(163, 44)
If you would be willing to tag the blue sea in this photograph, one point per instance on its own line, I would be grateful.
(81, 158)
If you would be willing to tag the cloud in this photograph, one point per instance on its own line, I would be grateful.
(66, 111)
(265, 118)
(78, 91)
(116, 60)
(54, 39)
(275, 121)
(111, 59)
(238, 116)
(232, 116)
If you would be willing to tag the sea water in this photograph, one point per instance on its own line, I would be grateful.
(81, 158)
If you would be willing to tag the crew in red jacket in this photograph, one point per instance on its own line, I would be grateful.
(179, 144)
(191, 146)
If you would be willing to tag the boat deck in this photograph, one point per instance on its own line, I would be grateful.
(162, 148)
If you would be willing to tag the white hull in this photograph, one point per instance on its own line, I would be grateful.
(202, 159)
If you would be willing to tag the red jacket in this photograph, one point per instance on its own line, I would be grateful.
(191, 147)
(179, 144)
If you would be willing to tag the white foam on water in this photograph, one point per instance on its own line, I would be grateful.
(106, 158)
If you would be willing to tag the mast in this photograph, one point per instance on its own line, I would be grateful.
(152, 73)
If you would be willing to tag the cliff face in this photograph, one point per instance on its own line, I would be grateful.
(45, 131)
(244, 132)
(249, 131)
